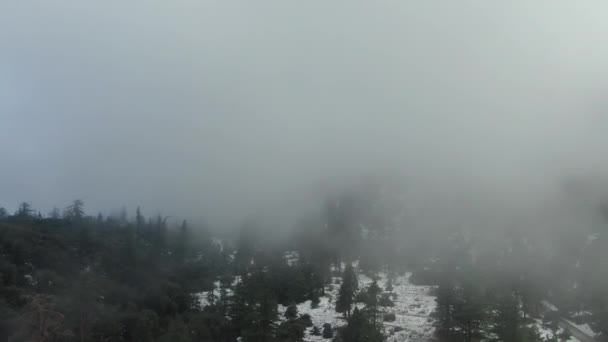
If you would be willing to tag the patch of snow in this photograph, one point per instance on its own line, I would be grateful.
(546, 333)
(292, 257)
(218, 243)
(585, 328)
(204, 296)
(548, 305)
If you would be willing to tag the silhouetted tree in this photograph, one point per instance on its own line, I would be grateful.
(348, 288)
(140, 222)
(508, 318)
(75, 211)
(24, 210)
(359, 329)
(292, 311)
(55, 214)
(373, 291)
(469, 313)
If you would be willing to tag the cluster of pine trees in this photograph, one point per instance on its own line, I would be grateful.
(70, 276)
(494, 292)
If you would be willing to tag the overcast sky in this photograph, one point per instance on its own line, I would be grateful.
(221, 109)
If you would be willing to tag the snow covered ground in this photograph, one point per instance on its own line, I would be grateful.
(413, 306)
(204, 297)
(584, 328)
(546, 333)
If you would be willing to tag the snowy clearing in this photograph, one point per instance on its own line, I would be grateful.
(413, 306)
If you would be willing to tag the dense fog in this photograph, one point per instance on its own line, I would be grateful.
(224, 111)
(303, 171)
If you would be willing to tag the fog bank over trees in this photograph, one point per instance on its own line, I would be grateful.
(225, 111)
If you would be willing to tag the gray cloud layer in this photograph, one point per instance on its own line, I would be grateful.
(224, 108)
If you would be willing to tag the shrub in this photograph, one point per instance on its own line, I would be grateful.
(390, 317)
(386, 301)
(306, 320)
(292, 311)
(361, 297)
(328, 332)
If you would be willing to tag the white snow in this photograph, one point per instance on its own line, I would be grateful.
(584, 328)
(292, 257)
(546, 333)
(548, 305)
(412, 309)
(203, 297)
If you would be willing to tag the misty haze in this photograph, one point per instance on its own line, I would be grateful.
(286, 171)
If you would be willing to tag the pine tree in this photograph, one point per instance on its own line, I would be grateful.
(140, 222)
(372, 302)
(255, 307)
(469, 313)
(3, 214)
(348, 288)
(225, 285)
(314, 302)
(359, 329)
(75, 211)
(444, 311)
(508, 318)
(292, 311)
(55, 214)
(24, 211)
(328, 332)
(41, 322)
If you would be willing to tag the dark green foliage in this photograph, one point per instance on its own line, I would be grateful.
(373, 291)
(306, 320)
(361, 297)
(291, 331)
(328, 332)
(348, 288)
(292, 311)
(469, 313)
(24, 211)
(385, 301)
(508, 321)
(254, 311)
(3, 214)
(359, 329)
(390, 317)
(74, 211)
(95, 279)
(444, 312)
